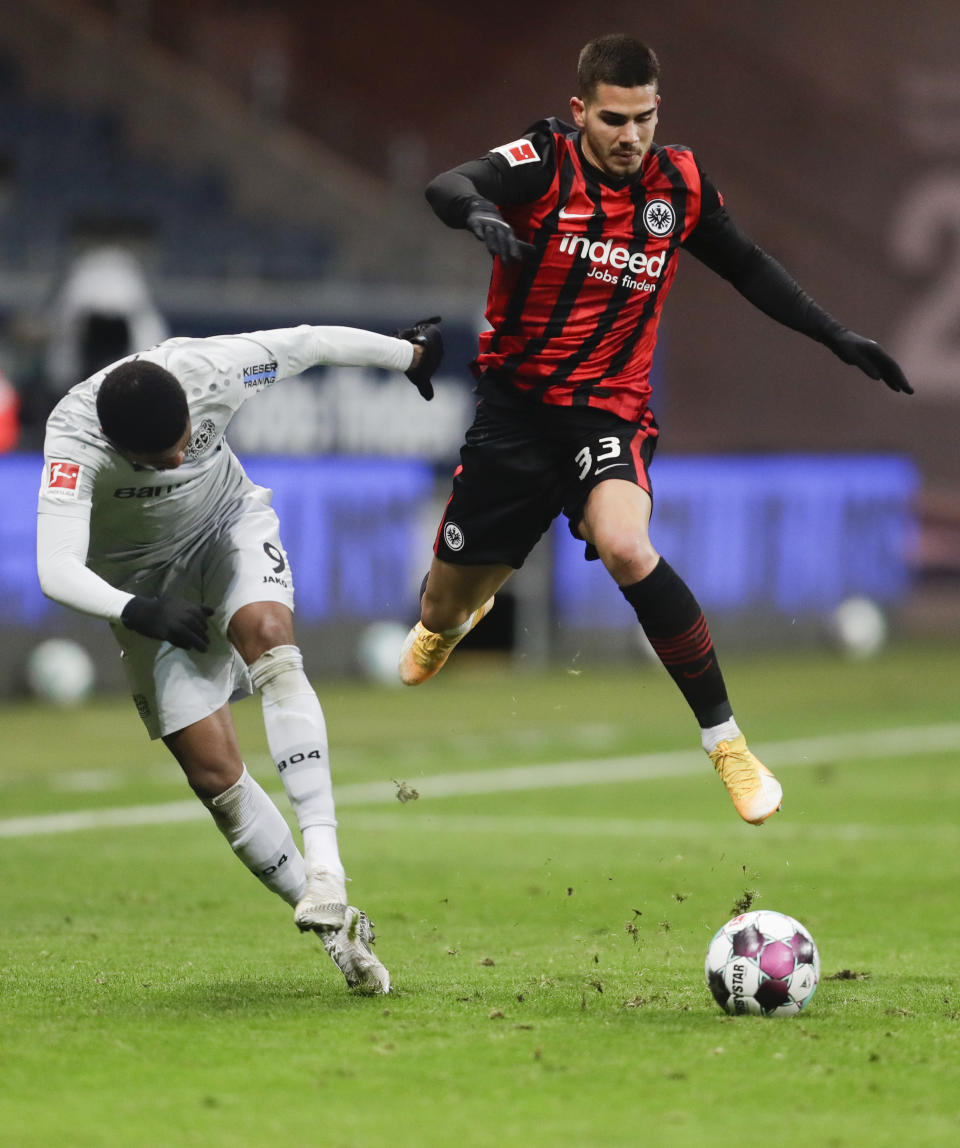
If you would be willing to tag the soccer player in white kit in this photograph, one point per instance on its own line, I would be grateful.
(147, 519)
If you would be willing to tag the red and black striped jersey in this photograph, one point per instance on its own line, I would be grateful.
(575, 324)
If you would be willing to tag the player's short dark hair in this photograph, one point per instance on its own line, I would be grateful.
(619, 60)
(142, 407)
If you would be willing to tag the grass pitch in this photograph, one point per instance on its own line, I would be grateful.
(545, 929)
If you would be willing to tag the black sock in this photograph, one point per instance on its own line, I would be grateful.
(674, 623)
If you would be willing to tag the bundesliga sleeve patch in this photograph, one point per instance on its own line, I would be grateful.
(518, 152)
(63, 478)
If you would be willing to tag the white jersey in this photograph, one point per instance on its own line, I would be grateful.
(141, 519)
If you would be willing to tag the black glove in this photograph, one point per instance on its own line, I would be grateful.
(488, 225)
(425, 334)
(871, 358)
(169, 619)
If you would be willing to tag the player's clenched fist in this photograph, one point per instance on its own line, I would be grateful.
(169, 619)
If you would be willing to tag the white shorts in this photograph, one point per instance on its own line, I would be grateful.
(242, 561)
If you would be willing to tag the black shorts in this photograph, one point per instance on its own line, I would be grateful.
(523, 463)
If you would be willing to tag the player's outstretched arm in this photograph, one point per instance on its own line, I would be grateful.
(774, 291)
(286, 352)
(759, 278)
(289, 351)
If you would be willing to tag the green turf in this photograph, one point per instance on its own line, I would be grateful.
(546, 945)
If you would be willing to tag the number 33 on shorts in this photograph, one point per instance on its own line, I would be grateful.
(606, 456)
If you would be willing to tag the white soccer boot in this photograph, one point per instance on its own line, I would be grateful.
(350, 951)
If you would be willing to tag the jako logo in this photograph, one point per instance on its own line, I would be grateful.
(604, 252)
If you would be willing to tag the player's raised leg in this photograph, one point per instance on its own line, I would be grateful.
(616, 519)
(453, 601)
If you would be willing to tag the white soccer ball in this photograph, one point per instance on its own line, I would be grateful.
(764, 963)
(60, 671)
(858, 626)
(378, 652)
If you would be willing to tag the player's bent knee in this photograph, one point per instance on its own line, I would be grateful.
(259, 627)
(211, 779)
(627, 559)
(270, 634)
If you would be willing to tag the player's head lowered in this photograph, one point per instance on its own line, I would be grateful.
(616, 109)
(143, 413)
(619, 60)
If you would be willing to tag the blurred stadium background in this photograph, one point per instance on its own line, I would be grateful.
(228, 165)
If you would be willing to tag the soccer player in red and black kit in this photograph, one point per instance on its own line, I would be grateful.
(586, 224)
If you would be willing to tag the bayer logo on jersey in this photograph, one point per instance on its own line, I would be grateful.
(659, 217)
(201, 440)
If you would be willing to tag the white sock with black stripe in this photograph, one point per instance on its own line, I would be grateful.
(260, 837)
(297, 736)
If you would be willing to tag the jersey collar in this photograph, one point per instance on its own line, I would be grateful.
(600, 176)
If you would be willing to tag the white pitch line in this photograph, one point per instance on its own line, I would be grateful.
(47, 823)
(907, 741)
(644, 828)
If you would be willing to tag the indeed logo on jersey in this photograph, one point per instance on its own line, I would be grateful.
(605, 253)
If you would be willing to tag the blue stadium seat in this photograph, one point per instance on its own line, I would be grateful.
(68, 168)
